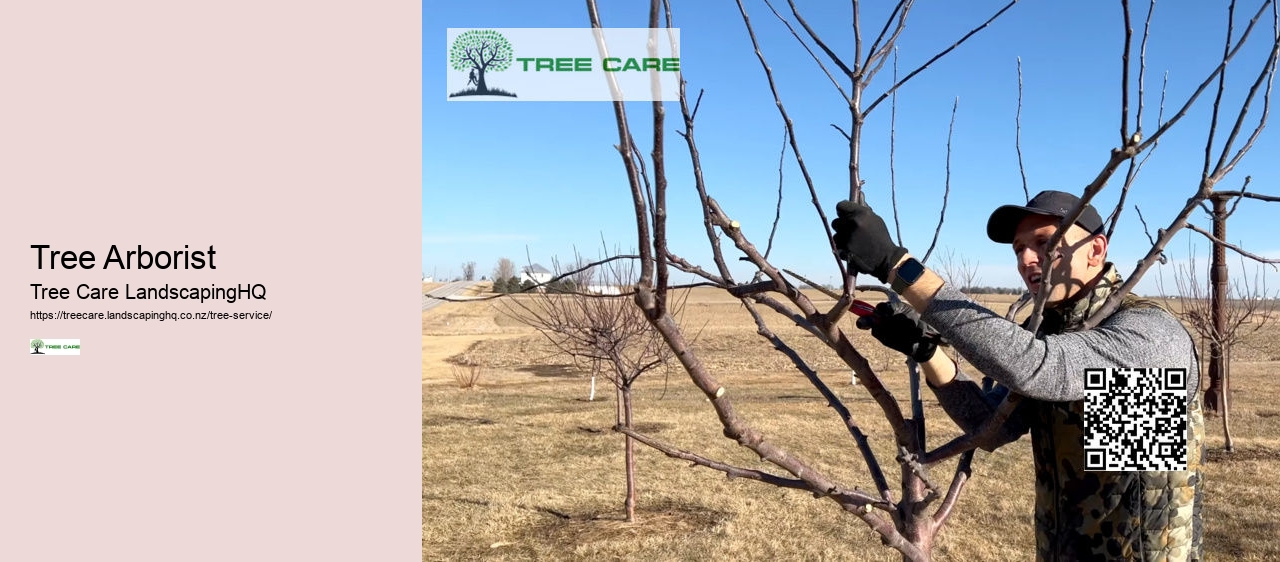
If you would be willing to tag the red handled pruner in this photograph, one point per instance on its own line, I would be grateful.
(862, 308)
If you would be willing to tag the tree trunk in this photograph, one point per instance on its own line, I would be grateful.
(1214, 396)
(916, 524)
(631, 459)
(480, 85)
(1226, 405)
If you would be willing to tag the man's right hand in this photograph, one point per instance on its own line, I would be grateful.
(899, 327)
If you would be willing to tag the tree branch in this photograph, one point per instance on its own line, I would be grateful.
(947, 192)
(791, 134)
(864, 446)
(1233, 247)
(876, 55)
(1124, 75)
(1268, 74)
(893, 133)
(944, 52)
(778, 212)
(1199, 90)
(816, 39)
(1017, 139)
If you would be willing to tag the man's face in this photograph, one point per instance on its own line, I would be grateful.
(1082, 257)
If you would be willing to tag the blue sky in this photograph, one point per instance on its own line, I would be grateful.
(533, 181)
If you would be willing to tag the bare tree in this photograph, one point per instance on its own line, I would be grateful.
(585, 275)
(469, 271)
(607, 333)
(504, 269)
(1221, 324)
(958, 270)
(1216, 395)
(904, 522)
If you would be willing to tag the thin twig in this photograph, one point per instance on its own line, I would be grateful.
(782, 155)
(1132, 175)
(875, 45)
(1200, 89)
(947, 191)
(1142, 67)
(1268, 74)
(1017, 139)
(1145, 229)
(791, 135)
(944, 52)
(700, 184)
(831, 54)
(1237, 249)
(877, 55)
(1124, 75)
(1236, 203)
(1222, 86)
(893, 132)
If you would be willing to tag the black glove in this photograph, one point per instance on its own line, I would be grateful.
(862, 238)
(898, 327)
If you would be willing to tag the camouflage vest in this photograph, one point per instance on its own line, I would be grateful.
(1087, 516)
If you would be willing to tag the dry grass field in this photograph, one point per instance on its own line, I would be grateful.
(524, 467)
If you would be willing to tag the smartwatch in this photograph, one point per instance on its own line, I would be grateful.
(908, 273)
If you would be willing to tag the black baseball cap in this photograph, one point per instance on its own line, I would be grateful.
(1003, 223)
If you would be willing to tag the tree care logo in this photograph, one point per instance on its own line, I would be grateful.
(478, 52)
(54, 347)
(562, 64)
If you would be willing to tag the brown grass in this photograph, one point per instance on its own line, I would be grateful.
(527, 469)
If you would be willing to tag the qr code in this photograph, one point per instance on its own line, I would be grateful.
(1135, 419)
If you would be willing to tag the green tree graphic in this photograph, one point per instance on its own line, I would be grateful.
(477, 52)
(36, 345)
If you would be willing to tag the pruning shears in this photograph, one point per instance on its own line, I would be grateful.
(864, 309)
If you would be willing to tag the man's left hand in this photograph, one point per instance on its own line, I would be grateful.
(863, 240)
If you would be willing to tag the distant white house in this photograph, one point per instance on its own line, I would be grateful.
(428, 279)
(535, 273)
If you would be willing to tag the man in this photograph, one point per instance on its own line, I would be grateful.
(1080, 515)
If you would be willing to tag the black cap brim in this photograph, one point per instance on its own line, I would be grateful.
(1003, 224)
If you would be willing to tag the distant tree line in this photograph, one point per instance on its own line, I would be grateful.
(514, 285)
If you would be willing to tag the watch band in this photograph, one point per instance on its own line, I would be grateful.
(906, 275)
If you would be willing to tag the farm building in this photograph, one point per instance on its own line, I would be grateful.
(535, 273)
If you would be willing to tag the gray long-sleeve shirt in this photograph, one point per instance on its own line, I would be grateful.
(1049, 368)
